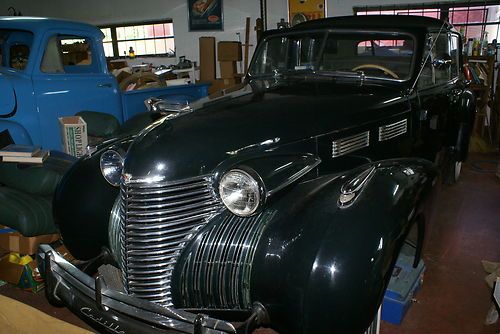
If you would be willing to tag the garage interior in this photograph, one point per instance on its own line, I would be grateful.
(463, 230)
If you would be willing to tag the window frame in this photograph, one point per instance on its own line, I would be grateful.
(445, 10)
(93, 68)
(114, 37)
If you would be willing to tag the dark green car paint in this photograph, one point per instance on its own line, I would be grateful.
(317, 267)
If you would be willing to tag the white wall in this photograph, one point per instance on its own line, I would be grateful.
(101, 12)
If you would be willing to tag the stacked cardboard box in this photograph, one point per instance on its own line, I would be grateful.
(228, 54)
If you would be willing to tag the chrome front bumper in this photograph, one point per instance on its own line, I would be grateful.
(112, 311)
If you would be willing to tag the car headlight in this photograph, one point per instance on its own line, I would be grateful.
(241, 192)
(111, 167)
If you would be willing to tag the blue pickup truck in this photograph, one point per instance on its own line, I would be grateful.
(51, 68)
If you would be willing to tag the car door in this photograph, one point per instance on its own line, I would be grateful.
(72, 77)
(435, 88)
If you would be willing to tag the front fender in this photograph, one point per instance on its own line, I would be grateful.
(18, 133)
(83, 202)
(321, 268)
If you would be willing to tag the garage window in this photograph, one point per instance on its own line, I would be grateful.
(473, 20)
(146, 39)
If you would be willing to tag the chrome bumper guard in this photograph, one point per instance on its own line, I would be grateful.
(113, 311)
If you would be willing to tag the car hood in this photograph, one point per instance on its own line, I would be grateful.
(256, 119)
(8, 101)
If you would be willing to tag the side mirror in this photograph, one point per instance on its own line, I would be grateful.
(442, 62)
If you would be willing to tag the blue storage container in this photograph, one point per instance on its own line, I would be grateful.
(403, 285)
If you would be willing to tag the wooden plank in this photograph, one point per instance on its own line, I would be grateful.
(247, 45)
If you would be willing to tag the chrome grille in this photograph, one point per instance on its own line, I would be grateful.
(217, 271)
(350, 144)
(390, 131)
(158, 219)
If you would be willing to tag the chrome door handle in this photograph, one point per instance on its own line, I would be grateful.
(104, 85)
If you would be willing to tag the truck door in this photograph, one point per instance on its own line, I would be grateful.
(72, 77)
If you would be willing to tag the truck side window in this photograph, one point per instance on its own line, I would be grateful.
(68, 54)
(76, 51)
(52, 60)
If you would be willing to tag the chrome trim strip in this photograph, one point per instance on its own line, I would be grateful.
(350, 144)
(295, 176)
(389, 131)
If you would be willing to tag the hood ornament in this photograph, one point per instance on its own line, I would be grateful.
(351, 190)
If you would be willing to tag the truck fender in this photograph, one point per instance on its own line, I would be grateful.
(16, 131)
(323, 263)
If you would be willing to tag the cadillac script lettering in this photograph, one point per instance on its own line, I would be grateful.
(87, 311)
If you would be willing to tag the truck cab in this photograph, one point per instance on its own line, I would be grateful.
(50, 69)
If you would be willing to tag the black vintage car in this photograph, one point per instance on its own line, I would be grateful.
(284, 203)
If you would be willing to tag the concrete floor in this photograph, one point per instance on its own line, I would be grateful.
(464, 229)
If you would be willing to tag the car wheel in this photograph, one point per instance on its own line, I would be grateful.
(453, 169)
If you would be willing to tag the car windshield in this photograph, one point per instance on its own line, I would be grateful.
(15, 46)
(379, 55)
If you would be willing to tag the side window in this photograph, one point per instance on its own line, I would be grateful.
(19, 54)
(68, 54)
(442, 52)
(432, 75)
(76, 51)
(427, 76)
(455, 54)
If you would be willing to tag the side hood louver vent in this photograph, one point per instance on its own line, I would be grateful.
(390, 131)
(350, 144)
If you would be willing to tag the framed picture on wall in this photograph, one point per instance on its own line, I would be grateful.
(305, 10)
(205, 15)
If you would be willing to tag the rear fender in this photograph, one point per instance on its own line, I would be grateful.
(324, 263)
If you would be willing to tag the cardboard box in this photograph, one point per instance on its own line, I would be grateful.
(15, 242)
(229, 51)
(25, 276)
(207, 59)
(227, 69)
(220, 84)
(74, 135)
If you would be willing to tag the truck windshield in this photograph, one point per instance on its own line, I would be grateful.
(15, 46)
(380, 55)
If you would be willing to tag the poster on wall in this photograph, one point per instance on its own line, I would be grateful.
(205, 15)
(305, 10)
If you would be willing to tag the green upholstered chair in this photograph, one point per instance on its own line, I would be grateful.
(26, 194)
